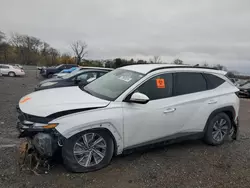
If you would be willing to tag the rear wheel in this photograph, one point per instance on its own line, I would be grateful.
(88, 151)
(11, 74)
(217, 129)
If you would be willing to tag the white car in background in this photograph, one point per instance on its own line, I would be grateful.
(129, 107)
(19, 66)
(10, 70)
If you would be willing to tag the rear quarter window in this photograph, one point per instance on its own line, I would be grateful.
(213, 81)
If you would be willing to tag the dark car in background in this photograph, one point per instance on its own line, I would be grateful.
(81, 77)
(245, 89)
(49, 71)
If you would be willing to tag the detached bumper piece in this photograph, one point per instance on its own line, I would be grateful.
(234, 132)
(45, 144)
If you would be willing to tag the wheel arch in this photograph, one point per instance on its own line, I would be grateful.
(109, 129)
(12, 72)
(229, 110)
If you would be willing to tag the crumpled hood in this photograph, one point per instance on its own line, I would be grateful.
(47, 102)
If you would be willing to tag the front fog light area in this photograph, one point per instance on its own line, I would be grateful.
(45, 144)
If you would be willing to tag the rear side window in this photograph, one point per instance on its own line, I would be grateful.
(188, 82)
(158, 87)
(213, 81)
(4, 67)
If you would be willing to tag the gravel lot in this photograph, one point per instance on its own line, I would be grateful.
(189, 164)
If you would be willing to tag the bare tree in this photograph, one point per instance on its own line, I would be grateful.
(27, 47)
(80, 50)
(178, 62)
(2, 36)
(220, 67)
(156, 59)
(205, 64)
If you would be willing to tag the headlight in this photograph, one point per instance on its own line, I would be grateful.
(48, 84)
(50, 126)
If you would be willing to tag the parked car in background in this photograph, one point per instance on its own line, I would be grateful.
(82, 78)
(59, 75)
(49, 71)
(245, 90)
(10, 70)
(127, 108)
(20, 66)
(65, 71)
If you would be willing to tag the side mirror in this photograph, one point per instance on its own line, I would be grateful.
(139, 98)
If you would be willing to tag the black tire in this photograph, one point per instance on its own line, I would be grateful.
(11, 74)
(70, 161)
(208, 137)
(49, 75)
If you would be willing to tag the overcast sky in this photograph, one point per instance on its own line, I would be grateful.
(196, 31)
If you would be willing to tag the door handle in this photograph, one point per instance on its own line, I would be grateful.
(212, 101)
(169, 110)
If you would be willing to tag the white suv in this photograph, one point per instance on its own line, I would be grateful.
(127, 108)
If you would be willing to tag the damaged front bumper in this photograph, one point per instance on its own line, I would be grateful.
(45, 141)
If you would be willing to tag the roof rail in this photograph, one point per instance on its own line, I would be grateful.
(168, 67)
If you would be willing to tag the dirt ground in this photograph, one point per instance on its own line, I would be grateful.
(190, 164)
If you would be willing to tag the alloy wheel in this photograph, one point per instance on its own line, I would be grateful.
(220, 129)
(90, 149)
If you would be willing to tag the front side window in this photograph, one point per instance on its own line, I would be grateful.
(101, 74)
(158, 87)
(87, 76)
(113, 84)
(189, 82)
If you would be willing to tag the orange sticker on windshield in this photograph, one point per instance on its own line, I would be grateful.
(25, 99)
(160, 83)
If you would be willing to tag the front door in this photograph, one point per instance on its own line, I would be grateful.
(145, 123)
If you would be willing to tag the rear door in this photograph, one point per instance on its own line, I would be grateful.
(192, 101)
(5, 69)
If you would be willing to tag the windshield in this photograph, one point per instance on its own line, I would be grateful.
(113, 84)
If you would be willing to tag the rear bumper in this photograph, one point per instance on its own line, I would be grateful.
(20, 74)
(236, 125)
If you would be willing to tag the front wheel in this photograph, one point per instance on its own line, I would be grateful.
(218, 128)
(88, 151)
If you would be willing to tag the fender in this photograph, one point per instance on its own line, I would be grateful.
(72, 124)
(229, 109)
(106, 126)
